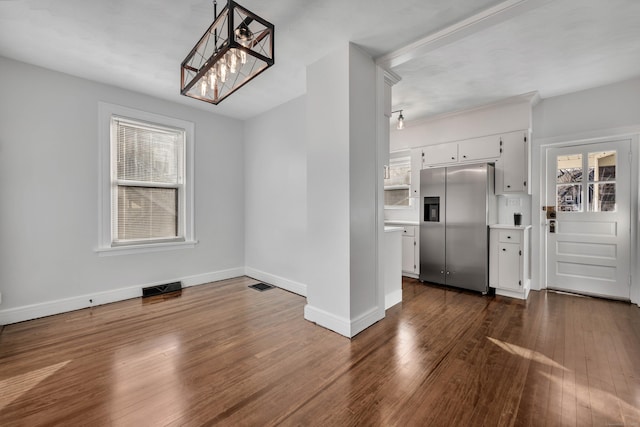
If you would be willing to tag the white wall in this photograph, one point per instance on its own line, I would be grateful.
(276, 196)
(49, 197)
(510, 115)
(328, 188)
(606, 107)
(363, 183)
(607, 111)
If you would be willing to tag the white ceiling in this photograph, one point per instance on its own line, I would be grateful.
(460, 53)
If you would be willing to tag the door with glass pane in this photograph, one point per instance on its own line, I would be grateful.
(588, 242)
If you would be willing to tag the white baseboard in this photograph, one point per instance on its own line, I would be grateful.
(524, 294)
(328, 320)
(281, 282)
(215, 276)
(392, 299)
(34, 311)
(343, 326)
(365, 320)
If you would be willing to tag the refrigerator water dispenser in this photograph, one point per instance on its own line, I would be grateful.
(432, 209)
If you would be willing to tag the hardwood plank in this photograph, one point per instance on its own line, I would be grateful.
(225, 354)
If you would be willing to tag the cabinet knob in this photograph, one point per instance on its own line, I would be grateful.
(504, 250)
(508, 237)
(441, 271)
(508, 186)
(453, 158)
(464, 157)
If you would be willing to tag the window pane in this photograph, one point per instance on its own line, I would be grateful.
(602, 166)
(569, 198)
(569, 168)
(602, 197)
(147, 213)
(396, 197)
(148, 155)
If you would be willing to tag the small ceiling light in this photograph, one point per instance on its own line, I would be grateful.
(235, 48)
(400, 125)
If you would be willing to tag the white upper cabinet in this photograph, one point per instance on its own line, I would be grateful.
(440, 154)
(486, 148)
(512, 171)
(416, 166)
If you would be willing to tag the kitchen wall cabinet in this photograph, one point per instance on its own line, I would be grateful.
(509, 260)
(416, 167)
(410, 250)
(486, 149)
(440, 154)
(513, 174)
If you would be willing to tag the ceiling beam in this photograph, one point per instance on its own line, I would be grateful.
(478, 22)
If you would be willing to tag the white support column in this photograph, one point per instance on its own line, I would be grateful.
(344, 182)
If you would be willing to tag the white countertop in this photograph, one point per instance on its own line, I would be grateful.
(510, 227)
(389, 229)
(400, 222)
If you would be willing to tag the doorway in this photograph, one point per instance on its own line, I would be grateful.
(588, 226)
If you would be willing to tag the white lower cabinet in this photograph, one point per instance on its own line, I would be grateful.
(410, 247)
(509, 260)
(410, 250)
(408, 258)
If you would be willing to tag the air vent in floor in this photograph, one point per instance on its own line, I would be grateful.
(261, 287)
(161, 289)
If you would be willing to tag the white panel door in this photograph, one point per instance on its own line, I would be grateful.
(408, 254)
(589, 241)
(509, 256)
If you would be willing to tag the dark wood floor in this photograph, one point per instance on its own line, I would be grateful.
(226, 354)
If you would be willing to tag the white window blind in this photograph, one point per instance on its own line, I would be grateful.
(147, 182)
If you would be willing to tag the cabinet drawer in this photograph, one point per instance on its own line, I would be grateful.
(409, 231)
(509, 236)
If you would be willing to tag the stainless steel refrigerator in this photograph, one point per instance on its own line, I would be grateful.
(457, 205)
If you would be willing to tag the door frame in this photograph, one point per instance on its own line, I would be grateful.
(539, 164)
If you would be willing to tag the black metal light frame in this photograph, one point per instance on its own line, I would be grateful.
(219, 39)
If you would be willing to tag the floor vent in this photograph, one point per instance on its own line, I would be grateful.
(261, 287)
(161, 289)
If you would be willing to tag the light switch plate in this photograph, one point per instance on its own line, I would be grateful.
(513, 202)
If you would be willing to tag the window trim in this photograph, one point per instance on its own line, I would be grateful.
(106, 244)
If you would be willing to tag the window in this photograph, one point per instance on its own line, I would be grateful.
(397, 183)
(146, 174)
(599, 180)
(147, 181)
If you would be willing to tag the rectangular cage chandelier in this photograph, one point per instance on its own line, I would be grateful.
(235, 48)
